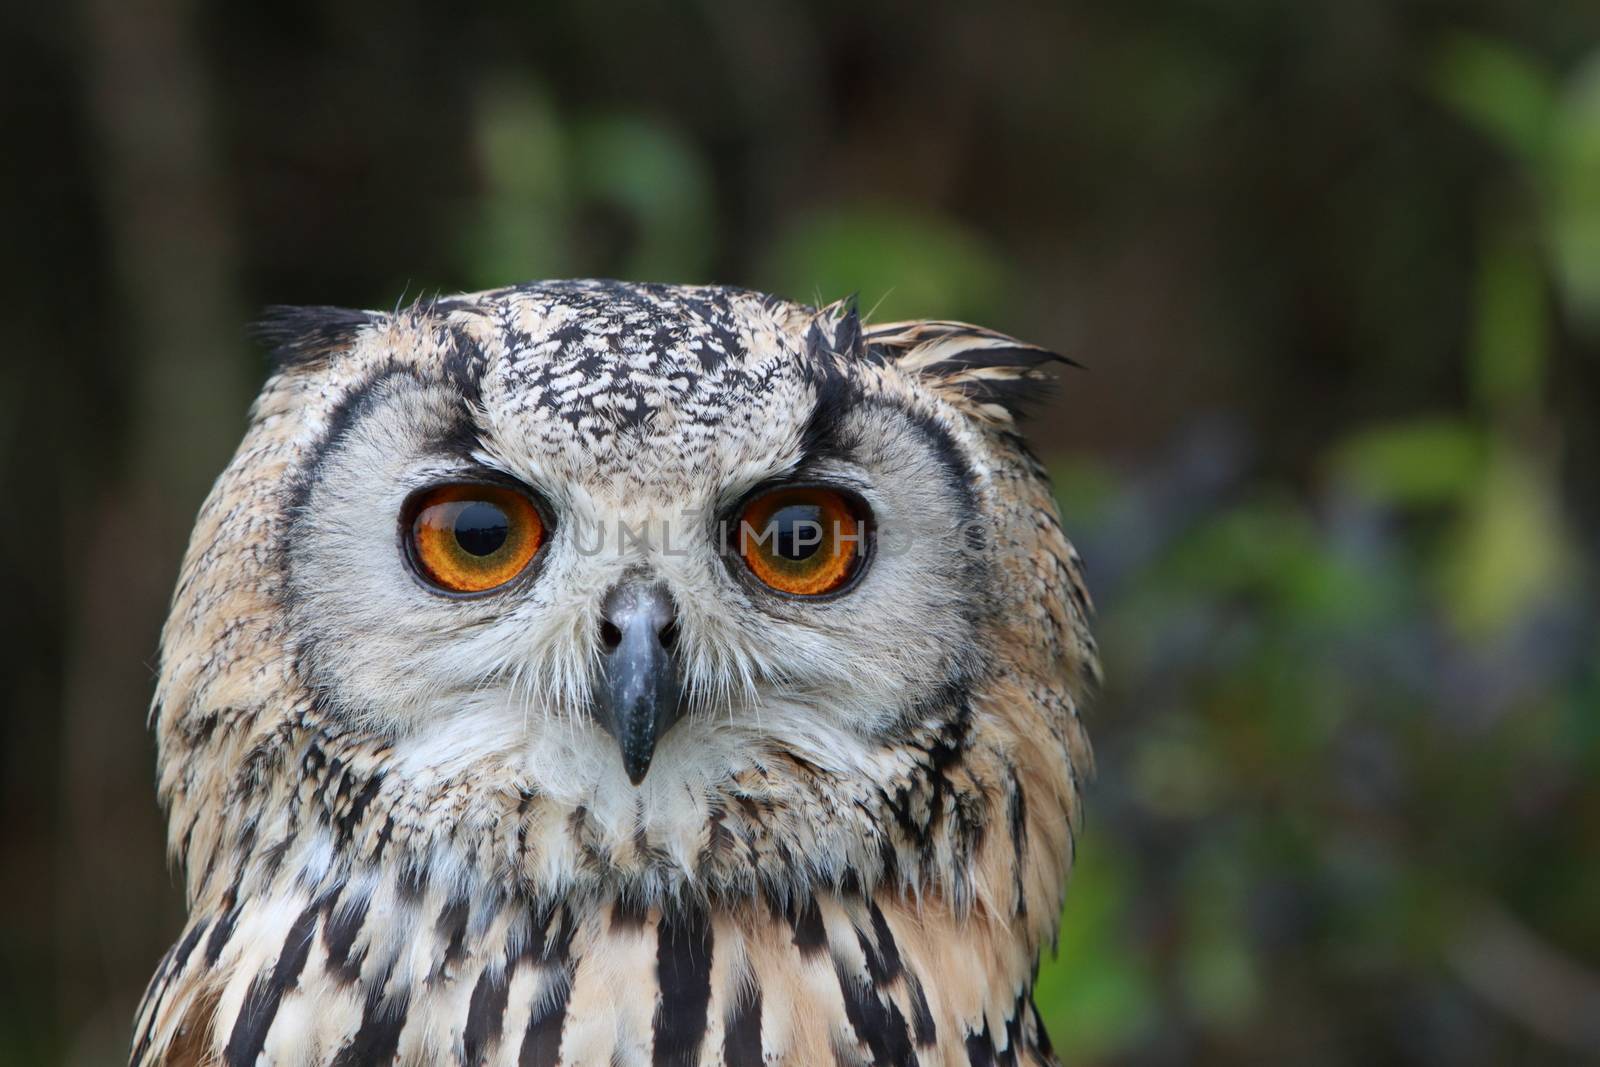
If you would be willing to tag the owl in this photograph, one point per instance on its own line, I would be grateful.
(598, 673)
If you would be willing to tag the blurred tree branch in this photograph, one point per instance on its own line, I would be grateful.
(174, 305)
(1520, 974)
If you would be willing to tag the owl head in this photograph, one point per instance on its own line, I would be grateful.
(638, 560)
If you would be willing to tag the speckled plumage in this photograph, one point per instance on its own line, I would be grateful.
(403, 838)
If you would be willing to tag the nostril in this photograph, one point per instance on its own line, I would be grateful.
(669, 634)
(610, 636)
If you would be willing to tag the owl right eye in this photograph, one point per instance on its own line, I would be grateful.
(471, 538)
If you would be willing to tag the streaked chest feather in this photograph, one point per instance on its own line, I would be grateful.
(342, 978)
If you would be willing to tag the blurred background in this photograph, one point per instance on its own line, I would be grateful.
(1333, 267)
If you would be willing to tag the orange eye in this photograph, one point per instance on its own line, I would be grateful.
(805, 541)
(468, 538)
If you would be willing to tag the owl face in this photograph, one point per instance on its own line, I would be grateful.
(623, 541)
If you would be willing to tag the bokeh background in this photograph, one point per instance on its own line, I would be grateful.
(1333, 267)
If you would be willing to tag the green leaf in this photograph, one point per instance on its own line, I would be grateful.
(899, 263)
(1499, 90)
(647, 172)
(1574, 216)
(517, 229)
(1512, 550)
(1423, 461)
(1098, 995)
(1216, 968)
(1510, 334)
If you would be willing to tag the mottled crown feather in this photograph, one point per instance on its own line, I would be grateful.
(992, 375)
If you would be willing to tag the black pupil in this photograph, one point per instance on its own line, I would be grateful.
(797, 531)
(481, 528)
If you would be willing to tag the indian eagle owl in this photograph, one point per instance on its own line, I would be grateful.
(596, 673)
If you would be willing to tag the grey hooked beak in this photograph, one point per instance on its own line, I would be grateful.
(639, 695)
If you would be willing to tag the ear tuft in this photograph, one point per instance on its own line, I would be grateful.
(306, 336)
(989, 374)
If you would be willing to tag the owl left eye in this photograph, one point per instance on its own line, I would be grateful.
(805, 541)
(469, 538)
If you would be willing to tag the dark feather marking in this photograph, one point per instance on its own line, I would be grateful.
(1041, 1035)
(869, 951)
(143, 1044)
(876, 1020)
(847, 332)
(250, 1027)
(312, 764)
(1018, 357)
(485, 1012)
(345, 414)
(339, 932)
(683, 968)
(540, 915)
(378, 1037)
(980, 1048)
(1008, 1055)
(541, 1042)
(652, 856)
(201, 729)
(754, 811)
(221, 933)
(172, 964)
(272, 856)
(1015, 393)
(557, 926)
(164, 967)
(462, 440)
(385, 835)
(628, 913)
(211, 861)
(884, 961)
(922, 1025)
(347, 823)
(464, 364)
(179, 957)
(1017, 812)
(450, 305)
(266, 993)
(741, 1044)
(959, 476)
(719, 839)
(411, 881)
(834, 394)
(889, 855)
(1019, 396)
(308, 336)
(452, 927)
(809, 936)
(1017, 809)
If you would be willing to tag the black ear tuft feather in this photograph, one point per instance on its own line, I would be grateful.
(307, 336)
(995, 376)
(847, 328)
(833, 342)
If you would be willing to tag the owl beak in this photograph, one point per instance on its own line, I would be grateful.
(639, 695)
